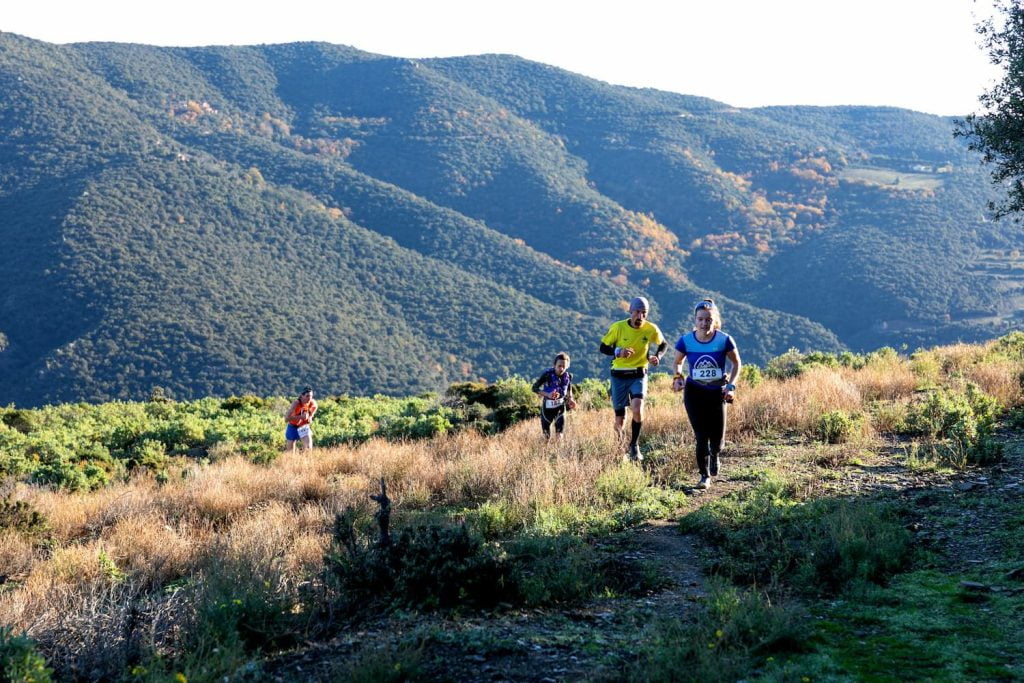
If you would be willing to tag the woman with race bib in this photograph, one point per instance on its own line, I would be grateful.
(299, 417)
(709, 385)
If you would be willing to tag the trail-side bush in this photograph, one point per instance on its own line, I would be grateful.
(729, 638)
(750, 376)
(785, 365)
(149, 453)
(837, 426)
(764, 538)
(514, 402)
(622, 484)
(20, 516)
(24, 421)
(426, 567)
(416, 426)
(244, 402)
(965, 421)
(926, 367)
(592, 393)
(445, 567)
(20, 662)
(508, 401)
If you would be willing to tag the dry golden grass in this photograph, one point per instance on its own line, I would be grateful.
(885, 380)
(17, 555)
(147, 545)
(278, 517)
(795, 404)
(956, 358)
(999, 379)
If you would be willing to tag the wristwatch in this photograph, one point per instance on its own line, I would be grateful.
(730, 387)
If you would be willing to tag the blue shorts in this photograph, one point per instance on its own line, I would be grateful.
(624, 389)
(291, 432)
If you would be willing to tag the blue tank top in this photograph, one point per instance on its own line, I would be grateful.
(706, 359)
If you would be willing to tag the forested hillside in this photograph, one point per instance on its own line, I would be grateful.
(249, 219)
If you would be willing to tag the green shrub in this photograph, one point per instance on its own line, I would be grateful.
(20, 662)
(592, 393)
(788, 364)
(836, 426)
(497, 519)
(186, 431)
(24, 421)
(20, 516)
(415, 427)
(750, 376)
(514, 402)
(926, 367)
(763, 538)
(427, 567)
(964, 420)
(728, 640)
(623, 484)
(245, 402)
(60, 474)
(149, 453)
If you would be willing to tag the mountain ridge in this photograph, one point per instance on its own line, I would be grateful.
(520, 196)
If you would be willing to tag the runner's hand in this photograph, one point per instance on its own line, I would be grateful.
(653, 359)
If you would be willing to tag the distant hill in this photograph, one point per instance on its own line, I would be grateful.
(250, 219)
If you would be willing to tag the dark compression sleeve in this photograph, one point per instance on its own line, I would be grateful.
(607, 350)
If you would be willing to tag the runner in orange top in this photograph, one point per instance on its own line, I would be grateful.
(299, 416)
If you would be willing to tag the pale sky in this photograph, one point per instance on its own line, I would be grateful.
(918, 54)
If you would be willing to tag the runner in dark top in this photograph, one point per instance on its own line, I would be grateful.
(709, 386)
(554, 387)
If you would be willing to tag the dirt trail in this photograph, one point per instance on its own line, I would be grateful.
(597, 639)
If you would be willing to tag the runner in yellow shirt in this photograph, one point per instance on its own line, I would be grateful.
(629, 342)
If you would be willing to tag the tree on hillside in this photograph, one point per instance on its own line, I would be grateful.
(998, 132)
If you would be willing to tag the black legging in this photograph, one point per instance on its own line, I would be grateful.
(706, 410)
(552, 416)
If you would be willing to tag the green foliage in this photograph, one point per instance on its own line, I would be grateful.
(448, 567)
(736, 631)
(764, 537)
(793, 362)
(963, 420)
(427, 567)
(750, 375)
(461, 210)
(995, 132)
(19, 515)
(836, 426)
(507, 402)
(83, 447)
(592, 393)
(788, 364)
(19, 660)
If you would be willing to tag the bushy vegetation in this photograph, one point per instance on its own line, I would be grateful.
(20, 660)
(80, 447)
(207, 553)
(165, 209)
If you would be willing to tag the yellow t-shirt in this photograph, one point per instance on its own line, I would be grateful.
(622, 334)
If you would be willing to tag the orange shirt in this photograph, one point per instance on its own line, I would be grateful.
(296, 416)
